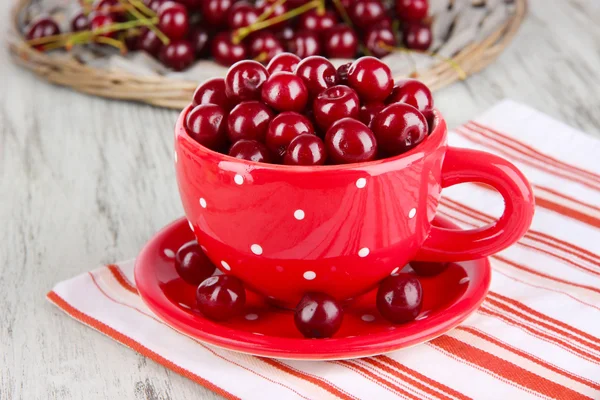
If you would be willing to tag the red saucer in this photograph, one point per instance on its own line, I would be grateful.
(265, 330)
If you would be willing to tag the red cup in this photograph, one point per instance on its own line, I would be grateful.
(339, 229)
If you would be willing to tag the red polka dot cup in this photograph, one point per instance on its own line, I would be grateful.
(339, 229)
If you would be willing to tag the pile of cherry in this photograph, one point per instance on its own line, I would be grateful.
(307, 112)
(178, 32)
(220, 297)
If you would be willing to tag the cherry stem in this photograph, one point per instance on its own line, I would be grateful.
(142, 7)
(241, 33)
(342, 10)
(112, 42)
(269, 10)
(261, 57)
(131, 8)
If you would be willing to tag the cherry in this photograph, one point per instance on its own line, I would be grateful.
(221, 297)
(305, 149)
(365, 13)
(279, 9)
(318, 73)
(305, 44)
(149, 42)
(42, 27)
(110, 7)
(100, 20)
(316, 21)
(192, 265)
(173, 20)
(250, 150)
(318, 315)
(284, 128)
(417, 36)
(206, 124)
(399, 127)
(412, 10)
(379, 34)
(333, 104)
(177, 55)
(212, 91)
(194, 5)
(286, 33)
(131, 38)
(80, 22)
(342, 74)
(350, 141)
(283, 62)
(371, 78)
(215, 12)
(369, 111)
(154, 5)
(249, 120)
(225, 52)
(285, 91)
(413, 92)
(200, 40)
(241, 14)
(341, 42)
(244, 80)
(428, 268)
(399, 298)
(265, 45)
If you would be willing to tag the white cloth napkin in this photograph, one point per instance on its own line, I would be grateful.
(537, 335)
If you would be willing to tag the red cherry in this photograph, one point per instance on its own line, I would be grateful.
(194, 5)
(265, 45)
(249, 120)
(131, 38)
(206, 124)
(350, 141)
(244, 80)
(110, 7)
(318, 73)
(283, 62)
(212, 91)
(250, 150)
(369, 111)
(400, 298)
(365, 13)
(154, 5)
(316, 21)
(241, 14)
(340, 42)
(192, 265)
(379, 34)
(335, 103)
(305, 44)
(285, 91)
(225, 52)
(177, 55)
(371, 78)
(428, 268)
(101, 20)
(305, 149)
(148, 41)
(42, 27)
(284, 128)
(173, 20)
(417, 36)
(413, 92)
(399, 127)
(318, 315)
(279, 9)
(200, 40)
(221, 297)
(286, 33)
(215, 12)
(412, 10)
(80, 22)
(342, 74)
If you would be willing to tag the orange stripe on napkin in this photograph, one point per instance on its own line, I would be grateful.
(384, 383)
(121, 278)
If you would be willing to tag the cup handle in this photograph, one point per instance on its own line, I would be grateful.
(465, 165)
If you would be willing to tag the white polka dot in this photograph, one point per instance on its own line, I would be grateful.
(363, 252)
(395, 271)
(412, 213)
(256, 249)
(361, 183)
(191, 226)
(175, 155)
(202, 202)
(238, 179)
(309, 275)
(368, 318)
(225, 265)
(464, 280)
(169, 253)
(299, 215)
(251, 317)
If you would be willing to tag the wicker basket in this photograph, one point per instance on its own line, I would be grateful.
(471, 56)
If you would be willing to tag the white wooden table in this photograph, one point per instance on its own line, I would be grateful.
(85, 181)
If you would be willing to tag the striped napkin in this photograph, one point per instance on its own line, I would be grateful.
(537, 335)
